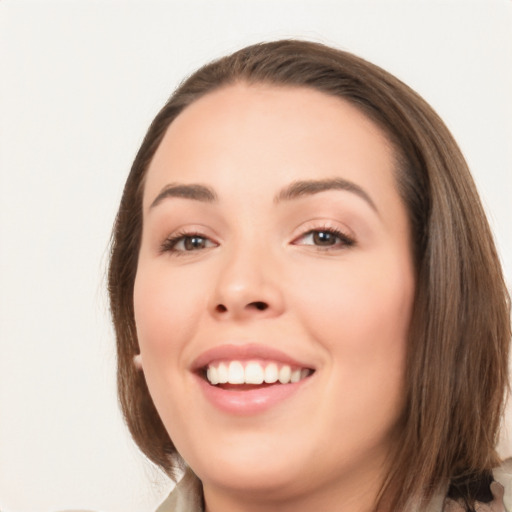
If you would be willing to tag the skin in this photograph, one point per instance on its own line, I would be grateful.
(342, 308)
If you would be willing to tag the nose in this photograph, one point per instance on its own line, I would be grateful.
(247, 286)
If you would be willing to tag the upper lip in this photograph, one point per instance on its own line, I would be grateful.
(246, 352)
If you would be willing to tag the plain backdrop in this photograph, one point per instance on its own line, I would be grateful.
(79, 83)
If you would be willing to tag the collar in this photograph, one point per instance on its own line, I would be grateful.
(187, 496)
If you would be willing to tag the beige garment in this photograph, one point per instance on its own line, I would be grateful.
(501, 489)
(187, 496)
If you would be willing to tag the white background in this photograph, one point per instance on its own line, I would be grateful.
(79, 83)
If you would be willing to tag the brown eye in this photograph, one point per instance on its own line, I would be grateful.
(192, 243)
(183, 243)
(324, 238)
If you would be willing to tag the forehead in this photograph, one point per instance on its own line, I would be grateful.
(270, 135)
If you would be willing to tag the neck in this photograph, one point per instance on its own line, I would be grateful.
(355, 493)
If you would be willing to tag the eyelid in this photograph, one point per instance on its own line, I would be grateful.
(345, 236)
(343, 241)
(323, 225)
(176, 236)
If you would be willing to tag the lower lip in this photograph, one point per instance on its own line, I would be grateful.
(252, 401)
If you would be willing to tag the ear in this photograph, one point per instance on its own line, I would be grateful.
(137, 361)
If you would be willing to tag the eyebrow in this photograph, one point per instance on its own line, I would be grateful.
(195, 192)
(299, 189)
(295, 190)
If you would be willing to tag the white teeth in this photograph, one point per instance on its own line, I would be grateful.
(271, 373)
(254, 372)
(285, 374)
(212, 375)
(295, 377)
(236, 374)
(223, 373)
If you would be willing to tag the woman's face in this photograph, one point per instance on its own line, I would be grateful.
(275, 246)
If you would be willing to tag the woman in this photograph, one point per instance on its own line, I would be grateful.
(309, 308)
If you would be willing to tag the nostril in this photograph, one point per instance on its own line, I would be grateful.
(260, 306)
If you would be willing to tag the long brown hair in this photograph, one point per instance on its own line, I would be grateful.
(456, 376)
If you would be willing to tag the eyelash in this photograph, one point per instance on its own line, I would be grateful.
(170, 243)
(345, 241)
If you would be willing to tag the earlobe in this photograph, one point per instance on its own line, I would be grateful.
(137, 361)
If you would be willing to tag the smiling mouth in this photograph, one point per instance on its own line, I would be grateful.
(246, 375)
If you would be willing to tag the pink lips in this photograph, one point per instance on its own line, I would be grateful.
(249, 401)
(244, 352)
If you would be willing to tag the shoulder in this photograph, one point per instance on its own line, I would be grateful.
(497, 497)
(503, 478)
(187, 496)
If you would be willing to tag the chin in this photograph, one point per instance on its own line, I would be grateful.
(252, 465)
(273, 480)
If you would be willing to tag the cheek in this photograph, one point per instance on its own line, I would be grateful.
(166, 308)
(360, 313)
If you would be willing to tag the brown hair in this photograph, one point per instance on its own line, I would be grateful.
(460, 326)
